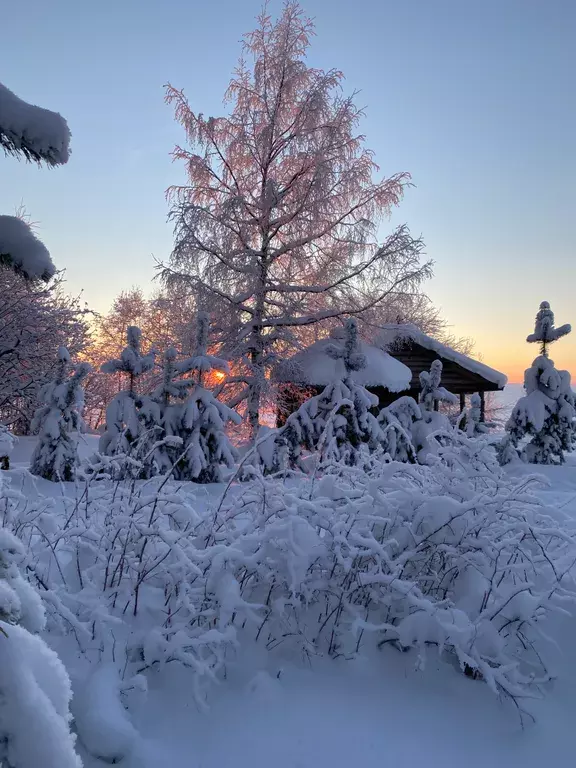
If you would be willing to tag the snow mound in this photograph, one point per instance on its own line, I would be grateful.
(20, 248)
(101, 720)
(34, 704)
(315, 366)
(34, 132)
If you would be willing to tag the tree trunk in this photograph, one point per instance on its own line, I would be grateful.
(257, 352)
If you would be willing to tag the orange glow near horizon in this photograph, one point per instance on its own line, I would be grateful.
(513, 360)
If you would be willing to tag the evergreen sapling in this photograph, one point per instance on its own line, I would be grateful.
(56, 454)
(203, 418)
(541, 427)
(431, 394)
(338, 422)
(132, 419)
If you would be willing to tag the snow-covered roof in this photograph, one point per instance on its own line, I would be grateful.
(392, 334)
(315, 367)
(34, 132)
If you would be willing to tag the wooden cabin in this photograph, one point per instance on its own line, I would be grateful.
(461, 374)
(394, 363)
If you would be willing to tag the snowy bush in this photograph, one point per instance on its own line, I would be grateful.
(56, 454)
(453, 554)
(413, 431)
(397, 423)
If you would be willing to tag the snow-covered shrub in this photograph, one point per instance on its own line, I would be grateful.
(453, 555)
(55, 456)
(125, 569)
(397, 422)
(132, 419)
(35, 689)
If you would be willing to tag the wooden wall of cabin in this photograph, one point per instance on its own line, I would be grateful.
(455, 377)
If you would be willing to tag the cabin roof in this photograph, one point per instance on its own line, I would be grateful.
(314, 367)
(402, 341)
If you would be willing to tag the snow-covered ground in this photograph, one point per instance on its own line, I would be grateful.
(378, 711)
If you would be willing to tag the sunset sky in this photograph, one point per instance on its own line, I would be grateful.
(475, 100)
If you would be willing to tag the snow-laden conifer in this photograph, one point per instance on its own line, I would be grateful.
(132, 419)
(206, 447)
(431, 391)
(56, 454)
(431, 394)
(542, 425)
(168, 397)
(338, 423)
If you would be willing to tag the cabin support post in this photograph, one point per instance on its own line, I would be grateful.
(482, 407)
(462, 401)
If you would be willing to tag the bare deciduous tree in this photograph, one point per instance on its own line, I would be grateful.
(35, 319)
(277, 225)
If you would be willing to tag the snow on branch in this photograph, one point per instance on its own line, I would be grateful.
(36, 133)
(20, 248)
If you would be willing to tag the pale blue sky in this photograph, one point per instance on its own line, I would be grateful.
(475, 99)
